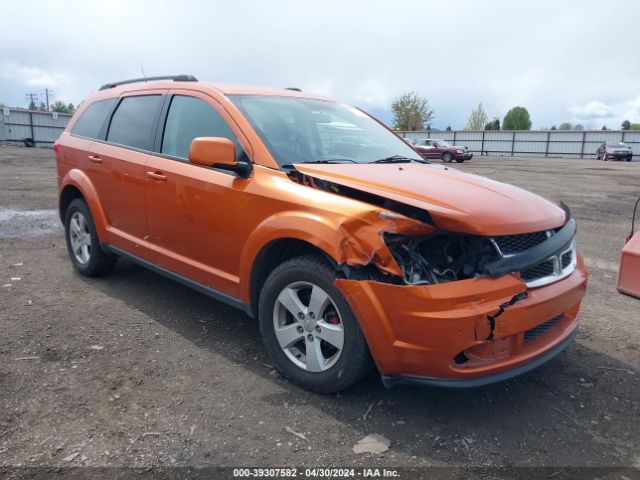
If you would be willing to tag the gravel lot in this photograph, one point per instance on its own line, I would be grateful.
(135, 370)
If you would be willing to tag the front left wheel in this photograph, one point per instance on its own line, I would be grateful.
(308, 328)
(83, 245)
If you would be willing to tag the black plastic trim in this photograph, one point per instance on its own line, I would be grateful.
(391, 380)
(534, 255)
(210, 292)
(175, 78)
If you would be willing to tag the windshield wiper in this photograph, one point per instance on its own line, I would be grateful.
(333, 160)
(398, 159)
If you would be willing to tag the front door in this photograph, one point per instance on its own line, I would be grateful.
(194, 212)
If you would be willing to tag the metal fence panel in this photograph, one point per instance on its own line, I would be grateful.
(534, 143)
(43, 128)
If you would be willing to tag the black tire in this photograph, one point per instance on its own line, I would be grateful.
(99, 262)
(354, 361)
(628, 159)
(446, 157)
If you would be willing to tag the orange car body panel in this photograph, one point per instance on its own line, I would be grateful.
(210, 226)
(418, 330)
(457, 201)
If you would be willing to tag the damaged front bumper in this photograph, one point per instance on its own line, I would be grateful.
(442, 334)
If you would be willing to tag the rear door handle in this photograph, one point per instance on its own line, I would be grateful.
(157, 176)
(95, 159)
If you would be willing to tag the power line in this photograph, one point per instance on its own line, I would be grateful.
(31, 99)
(48, 94)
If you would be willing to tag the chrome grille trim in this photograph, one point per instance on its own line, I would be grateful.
(562, 267)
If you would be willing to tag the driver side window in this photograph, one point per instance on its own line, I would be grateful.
(188, 118)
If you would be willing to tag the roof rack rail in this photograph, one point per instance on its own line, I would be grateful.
(175, 78)
(295, 89)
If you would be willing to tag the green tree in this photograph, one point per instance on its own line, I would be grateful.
(60, 107)
(634, 126)
(604, 127)
(578, 126)
(565, 126)
(517, 119)
(492, 125)
(448, 129)
(411, 112)
(626, 125)
(477, 118)
(553, 127)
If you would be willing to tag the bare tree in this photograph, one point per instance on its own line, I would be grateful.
(564, 126)
(477, 118)
(411, 112)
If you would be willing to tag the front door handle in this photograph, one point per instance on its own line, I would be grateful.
(95, 159)
(157, 176)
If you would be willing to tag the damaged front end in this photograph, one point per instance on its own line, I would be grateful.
(403, 241)
(539, 258)
(454, 308)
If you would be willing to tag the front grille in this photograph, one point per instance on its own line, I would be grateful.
(566, 259)
(540, 329)
(510, 244)
(541, 270)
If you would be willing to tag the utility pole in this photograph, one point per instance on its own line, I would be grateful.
(47, 93)
(31, 98)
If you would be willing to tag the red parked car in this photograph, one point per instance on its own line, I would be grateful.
(435, 148)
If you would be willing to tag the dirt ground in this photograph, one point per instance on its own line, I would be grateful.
(136, 370)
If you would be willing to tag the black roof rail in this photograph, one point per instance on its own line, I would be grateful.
(295, 89)
(175, 78)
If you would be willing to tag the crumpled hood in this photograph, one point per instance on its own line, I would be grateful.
(457, 201)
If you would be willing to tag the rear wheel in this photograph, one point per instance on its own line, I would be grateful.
(446, 157)
(82, 242)
(308, 328)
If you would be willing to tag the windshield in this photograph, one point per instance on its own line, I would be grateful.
(299, 130)
(616, 145)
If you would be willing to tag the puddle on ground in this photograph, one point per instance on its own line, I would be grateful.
(28, 223)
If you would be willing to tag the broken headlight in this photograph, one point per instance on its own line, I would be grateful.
(440, 257)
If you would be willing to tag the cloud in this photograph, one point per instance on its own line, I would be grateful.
(593, 109)
(594, 114)
(499, 52)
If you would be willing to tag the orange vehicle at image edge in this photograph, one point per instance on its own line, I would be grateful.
(324, 225)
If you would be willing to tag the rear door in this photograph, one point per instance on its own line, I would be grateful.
(195, 213)
(117, 168)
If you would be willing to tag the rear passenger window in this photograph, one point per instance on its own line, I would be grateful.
(92, 119)
(134, 121)
(189, 118)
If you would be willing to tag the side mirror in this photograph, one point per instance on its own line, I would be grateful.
(217, 152)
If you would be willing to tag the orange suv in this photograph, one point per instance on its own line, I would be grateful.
(314, 218)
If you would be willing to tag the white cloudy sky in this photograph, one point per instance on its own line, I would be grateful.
(576, 61)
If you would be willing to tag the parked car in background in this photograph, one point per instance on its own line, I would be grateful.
(435, 148)
(614, 151)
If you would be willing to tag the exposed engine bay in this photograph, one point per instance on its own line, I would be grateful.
(441, 257)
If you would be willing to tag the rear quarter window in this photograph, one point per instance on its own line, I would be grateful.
(92, 119)
(134, 122)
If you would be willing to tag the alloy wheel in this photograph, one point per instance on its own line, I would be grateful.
(308, 326)
(80, 238)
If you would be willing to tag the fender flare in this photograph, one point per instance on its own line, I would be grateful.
(295, 225)
(83, 183)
